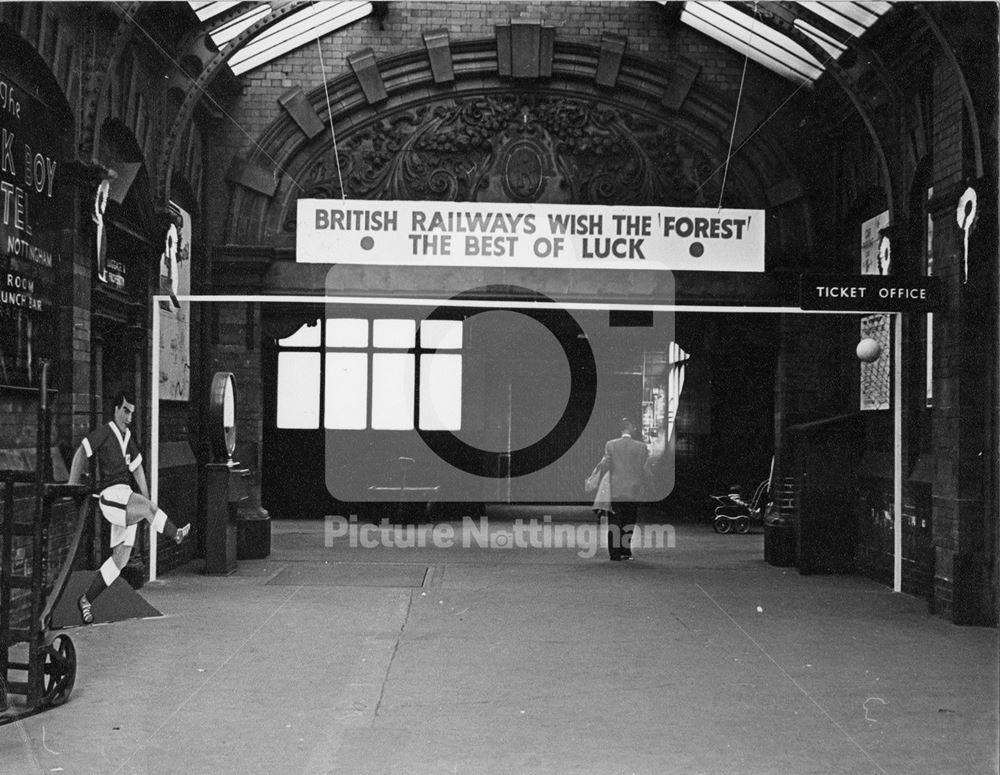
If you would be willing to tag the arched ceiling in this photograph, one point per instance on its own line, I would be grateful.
(745, 27)
(799, 41)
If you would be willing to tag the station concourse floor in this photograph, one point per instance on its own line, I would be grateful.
(479, 656)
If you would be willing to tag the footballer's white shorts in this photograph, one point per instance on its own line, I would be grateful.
(114, 501)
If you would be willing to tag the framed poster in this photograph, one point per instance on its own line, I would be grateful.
(175, 280)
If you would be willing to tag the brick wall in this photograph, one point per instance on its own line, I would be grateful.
(648, 27)
(948, 530)
(18, 440)
(948, 122)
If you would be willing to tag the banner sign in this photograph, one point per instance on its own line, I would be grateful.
(29, 232)
(499, 234)
(869, 293)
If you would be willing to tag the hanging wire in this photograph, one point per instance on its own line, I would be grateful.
(209, 97)
(823, 64)
(329, 113)
(739, 99)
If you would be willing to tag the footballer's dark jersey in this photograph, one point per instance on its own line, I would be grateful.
(117, 456)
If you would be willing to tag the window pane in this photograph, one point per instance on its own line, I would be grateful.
(298, 390)
(392, 392)
(441, 334)
(346, 332)
(346, 403)
(929, 375)
(307, 336)
(394, 333)
(441, 392)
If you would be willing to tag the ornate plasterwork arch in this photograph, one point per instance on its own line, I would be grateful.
(511, 146)
(653, 137)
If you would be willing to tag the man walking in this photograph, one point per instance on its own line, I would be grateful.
(119, 462)
(626, 459)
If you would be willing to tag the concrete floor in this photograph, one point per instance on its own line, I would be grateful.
(485, 657)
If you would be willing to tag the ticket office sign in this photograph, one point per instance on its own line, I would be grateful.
(869, 293)
(537, 236)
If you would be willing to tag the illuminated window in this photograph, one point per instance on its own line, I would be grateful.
(677, 361)
(441, 392)
(392, 391)
(307, 336)
(346, 332)
(346, 391)
(298, 389)
(929, 317)
(384, 374)
(394, 333)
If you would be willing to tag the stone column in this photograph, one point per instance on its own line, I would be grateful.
(964, 361)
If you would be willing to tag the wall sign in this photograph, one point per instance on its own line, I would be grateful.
(965, 214)
(29, 232)
(869, 293)
(100, 233)
(875, 249)
(528, 235)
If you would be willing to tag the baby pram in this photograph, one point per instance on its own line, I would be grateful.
(734, 515)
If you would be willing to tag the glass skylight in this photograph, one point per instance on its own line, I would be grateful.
(297, 29)
(735, 25)
(831, 46)
(754, 38)
(208, 9)
(853, 17)
(222, 35)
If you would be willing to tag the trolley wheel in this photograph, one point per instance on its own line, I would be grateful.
(743, 525)
(722, 525)
(60, 670)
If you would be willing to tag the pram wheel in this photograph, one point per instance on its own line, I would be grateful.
(722, 525)
(60, 670)
(743, 525)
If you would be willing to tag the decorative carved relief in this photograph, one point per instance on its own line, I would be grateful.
(522, 148)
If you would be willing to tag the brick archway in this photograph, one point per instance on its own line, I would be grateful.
(411, 128)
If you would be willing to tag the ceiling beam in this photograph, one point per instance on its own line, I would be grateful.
(198, 86)
(780, 18)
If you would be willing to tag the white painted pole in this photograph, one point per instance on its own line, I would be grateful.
(154, 435)
(897, 463)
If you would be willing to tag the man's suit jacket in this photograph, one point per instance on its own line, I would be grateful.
(626, 459)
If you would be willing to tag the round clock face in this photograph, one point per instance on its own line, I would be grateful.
(222, 411)
(229, 414)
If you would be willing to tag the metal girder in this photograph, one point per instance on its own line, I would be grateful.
(864, 53)
(230, 13)
(193, 40)
(790, 12)
(970, 108)
(198, 86)
(101, 70)
(782, 19)
(787, 13)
